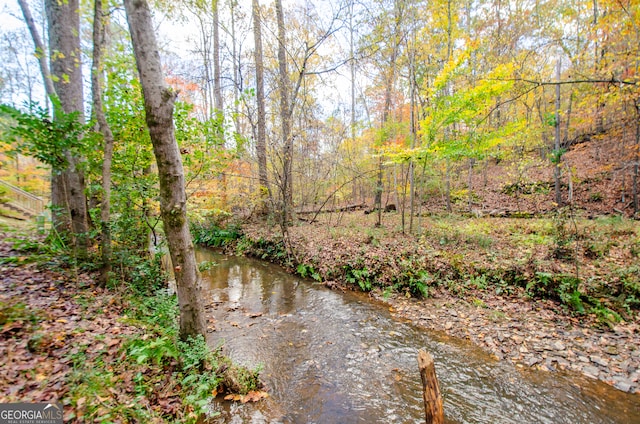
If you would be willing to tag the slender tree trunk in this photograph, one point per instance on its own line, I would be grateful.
(556, 156)
(447, 183)
(470, 184)
(236, 68)
(40, 49)
(217, 82)
(99, 42)
(261, 142)
(379, 190)
(636, 164)
(414, 136)
(389, 83)
(159, 105)
(209, 108)
(287, 189)
(59, 206)
(352, 67)
(218, 102)
(64, 39)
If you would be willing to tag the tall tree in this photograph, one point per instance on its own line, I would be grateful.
(68, 186)
(386, 41)
(63, 82)
(285, 117)
(99, 43)
(217, 78)
(261, 136)
(159, 102)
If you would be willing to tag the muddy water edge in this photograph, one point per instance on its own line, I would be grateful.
(334, 357)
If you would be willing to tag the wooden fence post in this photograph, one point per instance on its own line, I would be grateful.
(433, 410)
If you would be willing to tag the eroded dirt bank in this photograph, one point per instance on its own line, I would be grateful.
(499, 312)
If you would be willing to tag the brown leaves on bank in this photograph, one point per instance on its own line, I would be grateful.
(62, 338)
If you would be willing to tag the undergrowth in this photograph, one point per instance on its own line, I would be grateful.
(157, 361)
(148, 376)
(550, 258)
(214, 235)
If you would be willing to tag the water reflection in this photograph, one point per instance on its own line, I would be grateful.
(332, 357)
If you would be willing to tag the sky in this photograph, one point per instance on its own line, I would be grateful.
(9, 9)
(177, 38)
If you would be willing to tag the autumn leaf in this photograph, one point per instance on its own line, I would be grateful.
(255, 396)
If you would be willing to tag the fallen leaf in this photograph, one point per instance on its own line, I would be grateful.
(255, 396)
(80, 401)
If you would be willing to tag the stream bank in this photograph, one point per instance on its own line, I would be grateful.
(476, 276)
(329, 356)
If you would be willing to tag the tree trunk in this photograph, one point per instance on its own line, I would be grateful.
(64, 39)
(261, 142)
(556, 156)
(217, 83)
(470, 184)
(236, 68)
(379, 189)
(40, 49)
(447, 185)
(414, 136)
(636, 164)
(159, 105)
(218, 103)
(99, 42)
(287, 189)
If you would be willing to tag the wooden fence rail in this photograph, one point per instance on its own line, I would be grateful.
(27, 202)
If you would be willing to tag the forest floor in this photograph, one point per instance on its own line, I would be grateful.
(549, 293)
(107, 354)
(62, 339)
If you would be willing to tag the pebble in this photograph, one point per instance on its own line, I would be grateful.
(544, 340)
(598, 360)
(611, 350)
(538, 348)
(591, 371)
(623, 385)
(532, 360)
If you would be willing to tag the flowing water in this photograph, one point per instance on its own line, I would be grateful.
(333, 357)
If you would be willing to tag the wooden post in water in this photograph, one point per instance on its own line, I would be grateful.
(433, 410)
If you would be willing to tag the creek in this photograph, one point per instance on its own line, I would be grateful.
(334, 357)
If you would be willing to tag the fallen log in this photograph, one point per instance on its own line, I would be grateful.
(348, 208)
(433, 409)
